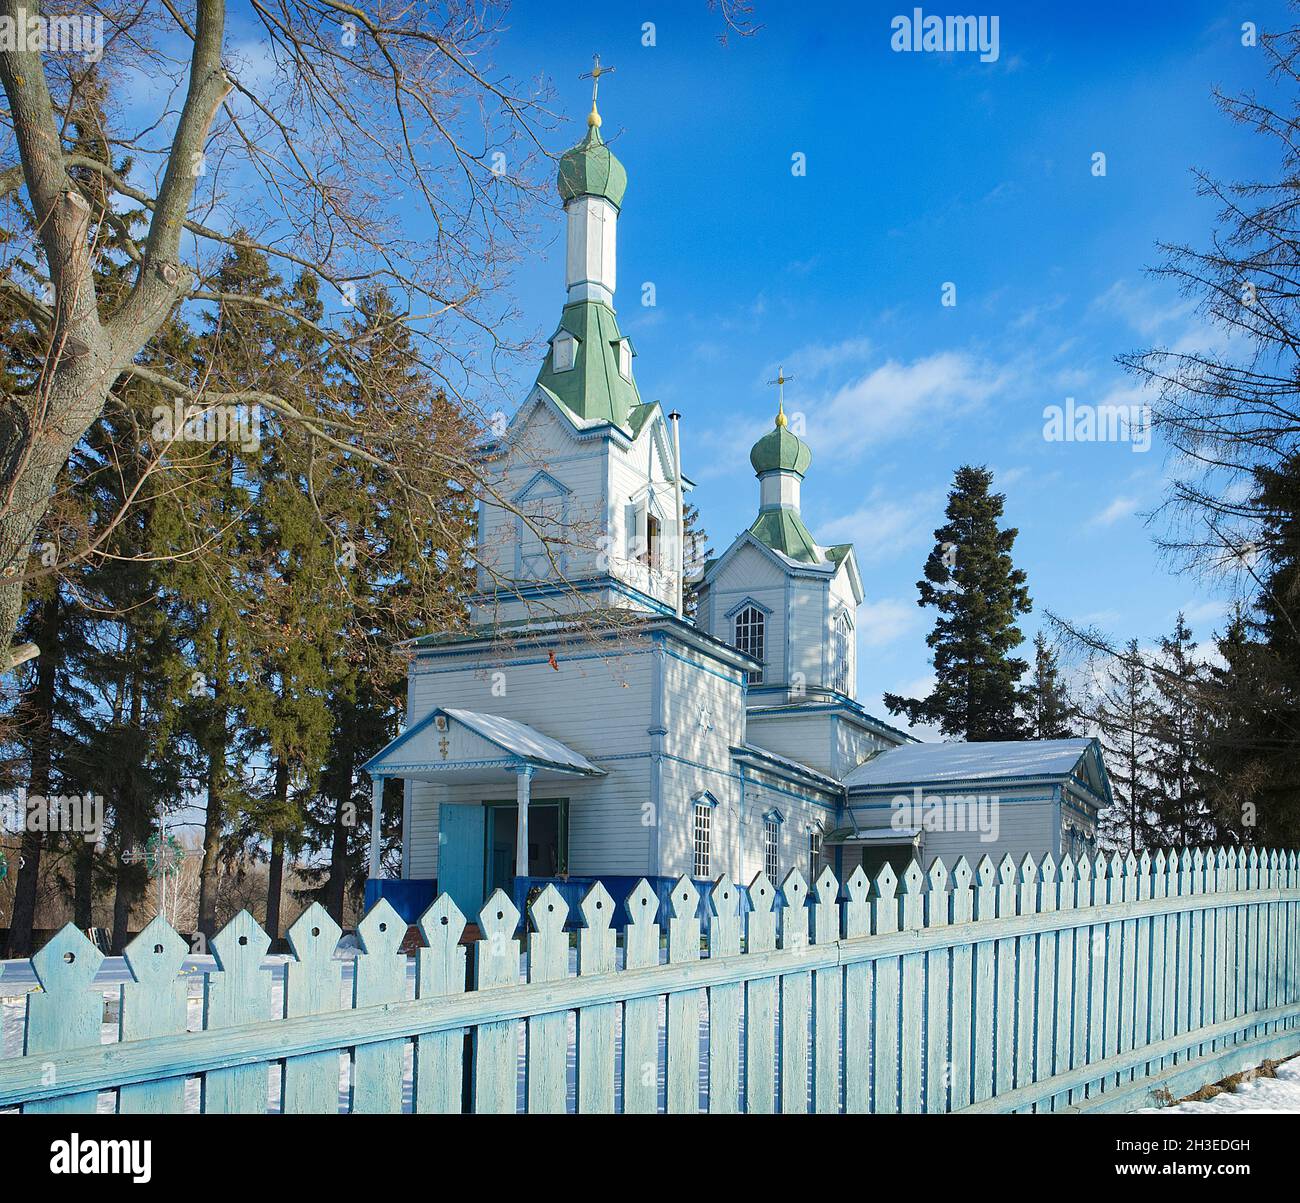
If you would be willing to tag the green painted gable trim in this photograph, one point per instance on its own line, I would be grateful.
(640, 416)
(593, 389)
(783, 530)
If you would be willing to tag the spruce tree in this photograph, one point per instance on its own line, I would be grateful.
(1049, 713)
(1181, 810)
(1122, 715)
(402, 578)
(1249, 786)
(978, 593)
(696, 552)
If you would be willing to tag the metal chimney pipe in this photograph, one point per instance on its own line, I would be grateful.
(675, 419)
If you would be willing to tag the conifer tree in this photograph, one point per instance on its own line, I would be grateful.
(1049, 713)
(1182, 817)
(695, 554)
(299, 610)
(978, 593)
(403, 578)
(1122, 715)
(1249, 782)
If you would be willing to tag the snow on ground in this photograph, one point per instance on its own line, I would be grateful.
(1280, 1094)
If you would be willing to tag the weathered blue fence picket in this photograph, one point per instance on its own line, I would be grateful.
(1106, 984)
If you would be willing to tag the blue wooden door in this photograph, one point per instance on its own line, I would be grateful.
(460, 855)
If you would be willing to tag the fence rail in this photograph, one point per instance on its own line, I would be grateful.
(1105, 984)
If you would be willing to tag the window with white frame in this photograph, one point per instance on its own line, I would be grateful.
(540, 520)
(645, 539)
(750, 637)
(703, 822)
(653, 543)
(814, 853)
(772, 847)
(840, 652)
(625, 359)
(563, 352)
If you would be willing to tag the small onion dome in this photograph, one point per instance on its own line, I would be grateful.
(590, 168)
(780, 450)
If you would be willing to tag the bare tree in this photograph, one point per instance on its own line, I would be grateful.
(371, 147)
(1233, 405)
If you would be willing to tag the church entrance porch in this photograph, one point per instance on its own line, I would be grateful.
(548, 842)
(479, 838)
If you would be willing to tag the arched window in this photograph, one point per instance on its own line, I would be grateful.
(703, 822)
(750, 638)
(840, 653)
(814, 853)
(772, 847)
(540, 520)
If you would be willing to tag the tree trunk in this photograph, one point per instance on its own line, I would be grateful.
(86, 353)
(133, 824)
(83, 885)
(215, 819)
(212, 826)
(275, 880)
(38, 783)
(125, 892)
(336, 886)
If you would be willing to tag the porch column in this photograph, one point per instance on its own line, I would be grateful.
(523, 790)
(376, 823)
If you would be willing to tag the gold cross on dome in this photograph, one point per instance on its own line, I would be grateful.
(594, 75)
(781, 380)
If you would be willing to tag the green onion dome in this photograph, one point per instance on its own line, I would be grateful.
(781, 450)
(590, 168)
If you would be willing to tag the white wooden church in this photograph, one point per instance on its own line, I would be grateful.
(583, 727)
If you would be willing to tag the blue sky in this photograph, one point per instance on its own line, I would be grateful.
(922, 169)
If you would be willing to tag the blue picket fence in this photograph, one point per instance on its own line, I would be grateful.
(1106, 984)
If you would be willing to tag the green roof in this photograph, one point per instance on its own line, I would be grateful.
(593, 388)
(590, 169)
(780, 449)
(783, 530)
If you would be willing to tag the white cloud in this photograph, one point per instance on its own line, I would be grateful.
(883, 622)
(1121, 507)
(1205, 612)
(882, 528)
(813, 359)
(1142, 307)
(892, 399)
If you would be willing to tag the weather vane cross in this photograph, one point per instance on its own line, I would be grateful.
(594, 75)
(781, 380)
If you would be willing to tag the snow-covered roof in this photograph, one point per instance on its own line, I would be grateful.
(419, 749)
(913, 764)
(523, 740)
(749, 749)
(873, 835)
